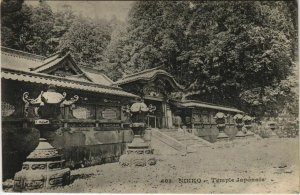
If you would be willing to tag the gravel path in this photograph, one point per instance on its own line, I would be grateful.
(239, 166)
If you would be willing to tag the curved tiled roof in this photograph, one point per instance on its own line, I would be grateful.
(17, 60)
(149, 74)
(41, 78)
(96, 76)
(198, 104)
(23, 61)
(52, 61)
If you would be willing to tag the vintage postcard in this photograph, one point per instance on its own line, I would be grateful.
(149, 97)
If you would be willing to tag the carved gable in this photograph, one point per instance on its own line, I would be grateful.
(63, 69)
(153, 91)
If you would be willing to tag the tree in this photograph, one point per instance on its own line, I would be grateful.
(114, 52)
(218, 50)
(86, 40)
(15, 24)
(42, 30)
(63, 19)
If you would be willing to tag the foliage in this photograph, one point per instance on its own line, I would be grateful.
(41, 27)
(15, 24)
(86, 40)
(113, 52)
(232, 53)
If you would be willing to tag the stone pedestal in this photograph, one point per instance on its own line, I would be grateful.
(44, 168)
(231, 132)
(222, 134)
(248, 125)
(238, 119)
(221, 125)
(248, 130)
(240, 133)
(137, 155)
(138, 152)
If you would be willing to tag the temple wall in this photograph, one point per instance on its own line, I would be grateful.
(94, 131)
(80, 148)
(210, 132)
(90, 147)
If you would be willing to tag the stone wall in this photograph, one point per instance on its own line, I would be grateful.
(80, 147)
(210, 132)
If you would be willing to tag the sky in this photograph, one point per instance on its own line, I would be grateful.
(100, 9)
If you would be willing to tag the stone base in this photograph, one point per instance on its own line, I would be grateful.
(222, 135)
(137, 160)
(138, 153)
(30, 180)
(273, 134)
(249, 133)
(231, 132)
(240, 134)
(138, 157)
(139, 142)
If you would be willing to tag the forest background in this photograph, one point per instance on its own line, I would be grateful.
(241, 54)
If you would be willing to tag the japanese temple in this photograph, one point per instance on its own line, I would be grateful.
(155, 87)
(94, 130)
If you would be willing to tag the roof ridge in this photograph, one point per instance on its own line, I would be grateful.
(87, 68)
(144, 71)
(55, 53)
(44, 64)
(197, 101)
(61, 78)
(22, 54)
(96, 71)
(40, 78)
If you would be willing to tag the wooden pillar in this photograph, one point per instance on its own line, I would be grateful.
(164, 115)
(192, 118)
(169, 117)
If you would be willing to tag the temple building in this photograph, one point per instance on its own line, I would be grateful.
(95, 129)
(155, 87)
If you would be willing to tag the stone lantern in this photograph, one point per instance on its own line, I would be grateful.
(238, 120)
(248, 125)
(138, 152)
(272, 126)
(47, 108)
(221, 124)
(44, 167)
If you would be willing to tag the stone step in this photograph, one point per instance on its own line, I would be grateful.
(169, 141)
(197, 144)
(191, 141)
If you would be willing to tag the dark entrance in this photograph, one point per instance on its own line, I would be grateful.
(155, 119)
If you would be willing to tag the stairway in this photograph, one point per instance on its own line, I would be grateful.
(181, 140)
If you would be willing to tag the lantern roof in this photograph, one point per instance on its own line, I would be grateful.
(139, 107)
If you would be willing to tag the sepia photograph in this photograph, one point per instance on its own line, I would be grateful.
(177, 97)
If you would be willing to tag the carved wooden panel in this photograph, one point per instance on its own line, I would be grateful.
(7, 109)
(108, 113)
(197, 117)
(84, 112)
(229, 119)
(205, 117)
(153, 91)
